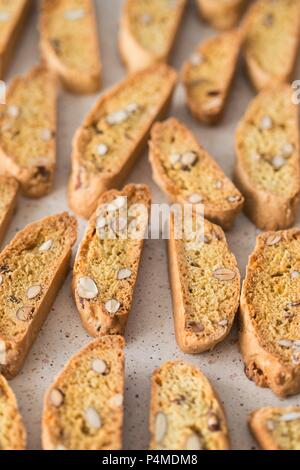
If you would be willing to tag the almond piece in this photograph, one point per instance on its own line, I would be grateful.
(46, 245)
(224, 274)
(92, 418)
(160, 427)
(24, 313)
(112, 306)
(124, 273)
(75, 14)
(86, 288)
(116, 400)
(102, 149)
(99, 366)
(56, 397)
(293, 416)
(33, 292)
(194, 442)
(273, 239)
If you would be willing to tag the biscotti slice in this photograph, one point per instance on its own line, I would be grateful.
(69, 43)
(270, 307)
(185, 412)
(108, 259)
(205, 283)
(8, 200)
(114, 133)
(267, 165)
(12, 18)
(147, 31)
(12, 430)
(272, 32)
(27, 131)
(276, 428)
(188, 174)
(221, 14)
(208, 74)
(32, 269)
(83, 409)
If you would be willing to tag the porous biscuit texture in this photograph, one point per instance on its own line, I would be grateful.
(32, 269)
(8, 199)
(107, 262)
(83, 409)
(185, 412)
(270, 329)
(12, 430)
(205, 284)
(28, 131)
(147, 31)
(221, 14)
(188, 174)
(272, 33)
(208, 75)
(267, 165)
(276, 428)
(114, 133)
(69, 43)
(13, 15)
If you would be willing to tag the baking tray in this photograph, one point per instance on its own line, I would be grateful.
(150, 332)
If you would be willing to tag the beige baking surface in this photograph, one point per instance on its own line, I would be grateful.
(150, 335)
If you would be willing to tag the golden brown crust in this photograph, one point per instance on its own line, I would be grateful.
(199, 329)
(269, 209)
(12, 429)
(265, 361)
(134, 55)
(10, 39)
(36, 176)
(65, 424)
(208, 83)
(8, 199)
(222, 212)
(95, 317)
(221, 14)
(259, 26)
(23, 310)
(75, 79)
(86, 184)
(185, 411)
(262, 423)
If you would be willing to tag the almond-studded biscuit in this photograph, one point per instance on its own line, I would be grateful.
(114, 133)
(221, 14)
(8, 199)
(28, 131)
(208, 75)
(32, 269)
(188, 174)
(270, 305)
(12, 430)
(267, 165)
(107, 262)
(69, 43)
(148, 30)
(276, 428)
(272, 33)
(185, 413)
(205, 284)
(83, 408)
(13, 14)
